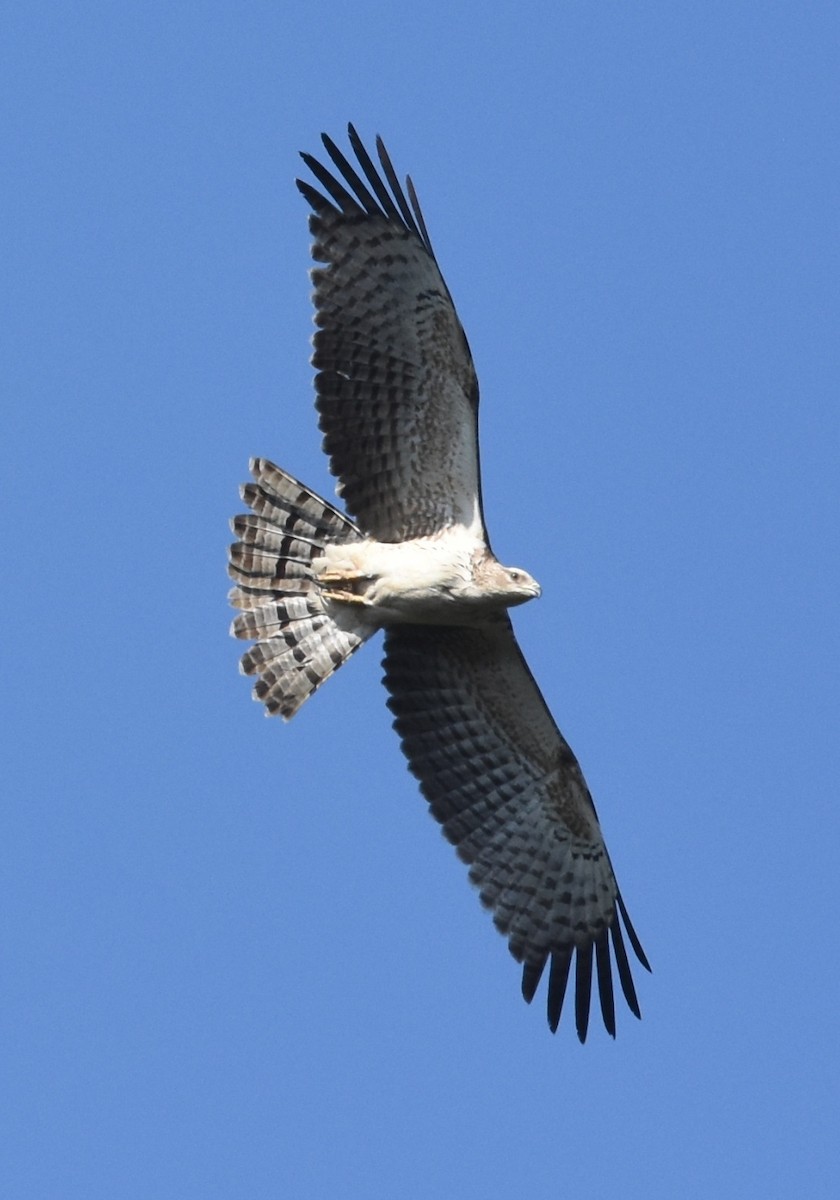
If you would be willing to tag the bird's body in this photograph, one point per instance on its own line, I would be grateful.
(398, 404)
(424, 581)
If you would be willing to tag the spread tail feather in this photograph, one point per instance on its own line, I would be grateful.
(300, 640)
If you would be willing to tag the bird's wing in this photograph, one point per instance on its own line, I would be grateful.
(510, 795)
(396, 387)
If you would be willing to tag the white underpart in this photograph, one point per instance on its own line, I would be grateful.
(427, 580)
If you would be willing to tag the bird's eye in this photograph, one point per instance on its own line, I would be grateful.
(516, 576)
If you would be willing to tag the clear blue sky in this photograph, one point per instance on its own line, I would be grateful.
(238, 959)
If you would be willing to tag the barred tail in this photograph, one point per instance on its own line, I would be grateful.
(299, 643)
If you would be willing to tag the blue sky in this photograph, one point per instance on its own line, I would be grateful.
(238, 959)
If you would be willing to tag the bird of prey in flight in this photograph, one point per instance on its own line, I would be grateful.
(397, 398)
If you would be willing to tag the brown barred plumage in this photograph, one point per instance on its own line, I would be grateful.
(299, 642)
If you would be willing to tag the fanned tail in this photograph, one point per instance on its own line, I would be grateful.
(300, 642)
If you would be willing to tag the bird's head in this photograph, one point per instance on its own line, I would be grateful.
(520, 585)
(508, 585)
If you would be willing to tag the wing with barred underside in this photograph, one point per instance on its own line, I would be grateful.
(396, 388)
(510, 795)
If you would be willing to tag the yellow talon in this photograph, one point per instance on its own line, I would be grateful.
(345, 597)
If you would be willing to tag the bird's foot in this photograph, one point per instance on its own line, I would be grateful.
(339, 585)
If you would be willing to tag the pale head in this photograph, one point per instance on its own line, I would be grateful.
(507, 586)
(519, 585)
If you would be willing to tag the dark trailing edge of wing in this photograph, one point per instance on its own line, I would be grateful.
(558, 976)
(379, 201)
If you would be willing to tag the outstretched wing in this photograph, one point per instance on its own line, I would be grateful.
(396, 388)
(510, 795)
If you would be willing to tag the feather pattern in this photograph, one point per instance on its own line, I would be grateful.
(510, 795)
(301, 639)
(396, 388)
(397, 399)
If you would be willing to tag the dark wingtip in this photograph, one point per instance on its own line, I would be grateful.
(396, 188)
(531, 976)
(341, 198)
(371, 194)
(557, 980)
(313, 197)
(625, 975)
(605, 983)
(633, 936)
(583, 990)
(560, 968)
